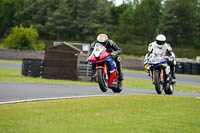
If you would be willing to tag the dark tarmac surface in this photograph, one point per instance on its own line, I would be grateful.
(10, 92)
(26, 91)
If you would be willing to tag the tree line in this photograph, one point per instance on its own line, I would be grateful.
(135, 22)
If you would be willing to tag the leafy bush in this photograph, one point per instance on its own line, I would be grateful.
(40, 46)
(22, 38)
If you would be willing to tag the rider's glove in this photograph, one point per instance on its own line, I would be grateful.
(145, 62)
(113, 53)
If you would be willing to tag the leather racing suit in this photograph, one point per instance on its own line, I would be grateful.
(111, 47)
(167, 49)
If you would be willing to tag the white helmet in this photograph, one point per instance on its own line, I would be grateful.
(160, 40)
(102, 38)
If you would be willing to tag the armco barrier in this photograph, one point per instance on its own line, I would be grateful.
(85, 69)
(12, 54)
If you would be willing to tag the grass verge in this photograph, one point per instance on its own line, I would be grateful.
(12, 75)
(146, 84)
(114, 114)
(10, 61)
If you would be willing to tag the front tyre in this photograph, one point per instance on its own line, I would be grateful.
(103, 84)
(158, 85)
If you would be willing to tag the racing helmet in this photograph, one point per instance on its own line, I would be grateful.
(102, 38)
(160, 40)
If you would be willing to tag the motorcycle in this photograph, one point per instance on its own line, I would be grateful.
(106, 71)
(160, 72)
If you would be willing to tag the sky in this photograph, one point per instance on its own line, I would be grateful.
(118, 2)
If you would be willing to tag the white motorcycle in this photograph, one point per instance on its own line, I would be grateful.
(160, 72)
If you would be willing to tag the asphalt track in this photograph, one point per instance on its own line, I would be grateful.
(26, 92)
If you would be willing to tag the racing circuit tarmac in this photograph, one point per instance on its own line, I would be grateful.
(26, 92)
(23, 92)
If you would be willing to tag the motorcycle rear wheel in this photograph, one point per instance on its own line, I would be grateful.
(119, 87)
(169, 89)
(103, 84)
(158, 85)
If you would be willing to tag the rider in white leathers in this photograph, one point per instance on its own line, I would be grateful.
(160, 44)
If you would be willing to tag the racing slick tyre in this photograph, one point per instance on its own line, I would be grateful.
(103, 84)
(169, 89)
(119, 88)
(158, 85)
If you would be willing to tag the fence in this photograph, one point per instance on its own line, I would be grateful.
(85, 69)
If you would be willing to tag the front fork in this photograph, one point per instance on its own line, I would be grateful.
(104, 70)
(161, 75)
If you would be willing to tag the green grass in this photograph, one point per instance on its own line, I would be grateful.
(114, 114)
(12, 75)
(146, 84)
(10, 61)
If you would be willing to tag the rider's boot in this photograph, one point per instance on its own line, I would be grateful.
(148, 70)
(173, 78)
(173, 74)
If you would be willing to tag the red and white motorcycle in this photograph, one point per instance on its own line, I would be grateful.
(106, 70)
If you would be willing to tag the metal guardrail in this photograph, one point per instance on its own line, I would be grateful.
(85, 69)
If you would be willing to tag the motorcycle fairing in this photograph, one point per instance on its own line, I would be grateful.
(99, 57)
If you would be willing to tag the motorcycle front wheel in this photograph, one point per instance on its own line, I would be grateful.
(103, 84)
(158, 85)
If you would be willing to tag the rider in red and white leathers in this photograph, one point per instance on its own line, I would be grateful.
(160, 44)
(112, 48)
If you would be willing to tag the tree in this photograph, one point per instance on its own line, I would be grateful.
(7, 11)
(36, 12)
(180, 22)
(146, 21)
(21, 38)
(75, 20)
(139, 25)
(124, 30)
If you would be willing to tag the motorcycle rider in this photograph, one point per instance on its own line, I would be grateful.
(112, 48)
(161, 44)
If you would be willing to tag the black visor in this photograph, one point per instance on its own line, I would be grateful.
(103, 43)
(160, 42)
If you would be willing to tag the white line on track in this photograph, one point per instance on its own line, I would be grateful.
(52, 98)
(197, 97)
